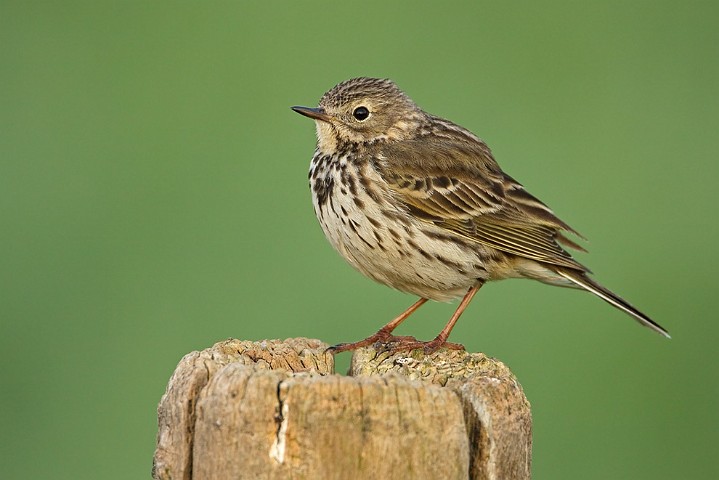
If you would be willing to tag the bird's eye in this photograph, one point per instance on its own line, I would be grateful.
(360, 113)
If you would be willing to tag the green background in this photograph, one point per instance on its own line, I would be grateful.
(154, 200)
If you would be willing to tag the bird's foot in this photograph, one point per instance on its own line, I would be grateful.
(427, 347)
(380, 338)
(394, 344)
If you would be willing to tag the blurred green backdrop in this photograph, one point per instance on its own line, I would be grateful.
(153, 200)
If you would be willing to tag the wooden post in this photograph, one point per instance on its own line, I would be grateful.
(276, 410)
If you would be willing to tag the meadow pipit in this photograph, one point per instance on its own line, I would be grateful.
(418, 203)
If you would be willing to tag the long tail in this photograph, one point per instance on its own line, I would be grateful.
(581, 280)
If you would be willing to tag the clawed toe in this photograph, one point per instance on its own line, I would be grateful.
(380, 341)
(426, 347)
(396, 344)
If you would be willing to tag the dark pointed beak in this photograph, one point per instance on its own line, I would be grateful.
(314, 113)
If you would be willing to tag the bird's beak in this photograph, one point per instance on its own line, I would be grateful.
(314, 113)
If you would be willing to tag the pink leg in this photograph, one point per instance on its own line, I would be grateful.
(384, 334)
(441, 339)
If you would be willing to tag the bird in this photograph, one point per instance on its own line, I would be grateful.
(418, 203)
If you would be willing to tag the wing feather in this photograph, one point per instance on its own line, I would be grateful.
(454, 182)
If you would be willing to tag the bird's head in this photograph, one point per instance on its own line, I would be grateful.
(363, 110)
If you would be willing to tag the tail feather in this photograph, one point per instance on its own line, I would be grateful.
(581, 280)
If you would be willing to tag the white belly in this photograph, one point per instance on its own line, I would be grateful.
(380, 240)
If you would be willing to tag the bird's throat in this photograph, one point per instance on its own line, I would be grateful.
(326, 137)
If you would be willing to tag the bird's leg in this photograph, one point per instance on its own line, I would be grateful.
(441, 339)
(384, 334)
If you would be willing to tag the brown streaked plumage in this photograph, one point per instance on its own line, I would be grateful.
(418, 203)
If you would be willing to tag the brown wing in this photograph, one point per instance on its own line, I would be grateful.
(454, 182)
